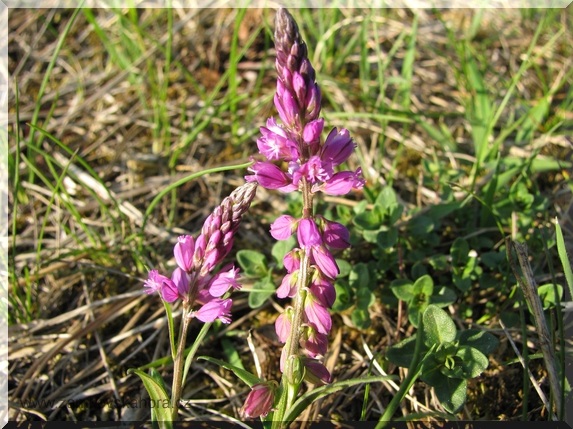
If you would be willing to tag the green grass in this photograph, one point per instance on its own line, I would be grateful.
(464, 116)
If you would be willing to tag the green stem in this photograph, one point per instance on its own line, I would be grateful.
(178, 365)
(413, 373)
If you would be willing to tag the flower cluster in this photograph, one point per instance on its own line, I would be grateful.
(310, 168)
(192, 280)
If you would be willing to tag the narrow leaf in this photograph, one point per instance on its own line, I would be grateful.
(244, 375)
(157, 394)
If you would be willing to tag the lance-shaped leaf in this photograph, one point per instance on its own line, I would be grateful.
(244, 375)
(157, 393)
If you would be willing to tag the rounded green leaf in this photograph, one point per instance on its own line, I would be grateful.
(473, 362)
(481, 340)
(439, 328)
(253, 263)
(262, 290)
(452, 394)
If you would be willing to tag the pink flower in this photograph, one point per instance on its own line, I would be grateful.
(338, 147)
(159, 283)
(283, 227)
(183, 252)
(308, 234)
(325, 261)
(311, 134)
(275, 143)
(291, 261)
(286, 106)
(316, 373)
(215, 309)
(288, 285)
(223, 280)
(315, 342)
(317, 315)
(181, 281)
(323, 290)
(268, 175)
(314, 170)
(335, 234)
(283, 326)
(259, 401)
(341, 183)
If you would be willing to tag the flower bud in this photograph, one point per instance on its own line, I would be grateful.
(259, 401)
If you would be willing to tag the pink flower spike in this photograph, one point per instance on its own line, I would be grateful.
(268, 175)
(283, 227)
(317, 315)
(223, 280)
(335, 235)
(325, 261)
(181, 281)
(259, 401)
(308, 234)
(283, 327)
(338, 147)
(215, 309)
(183, 252)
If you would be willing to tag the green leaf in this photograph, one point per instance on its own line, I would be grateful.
(563, 256)
(424, 285)
(308, 398)
(253, 263)
(231, 353)
(403, 289)
(369, 220)
(547, 295)
(262, 290)
(361, 318)
(387, 237)
(473, 362)
(420, 226)
(281, 248)
(431, 371)
(344, 267)
(394, 213)
(244, 375)
(343, 296)
(459, 252)
(461, 282)
(480, 340)
(439, 262)
(439, 328)
(157, 394)
(443, 296)
(401, 354)
(171, 328)
(386, 198)
(359, 277)
(452, 394)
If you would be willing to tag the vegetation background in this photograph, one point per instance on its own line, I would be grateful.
(467, 115)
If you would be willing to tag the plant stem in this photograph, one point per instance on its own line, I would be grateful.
(178, 365)
(413, 372)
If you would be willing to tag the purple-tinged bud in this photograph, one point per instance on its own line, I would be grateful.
(183, 252)
(317, 315)
(283, 227)
(315, 372)
(335, 234)
(325, 261)
(313, 102)
(287, 108)
(267, 175)
(200, 245)
(181, 281)
(312, 132)
(283, 325)
(291, 260)
(223, 280)
(299, 87)
(215, 309)
(259, 401)
(338, 147)
(308, 234)
(288, 285)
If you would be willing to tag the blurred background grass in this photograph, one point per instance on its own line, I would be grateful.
(468, 112)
